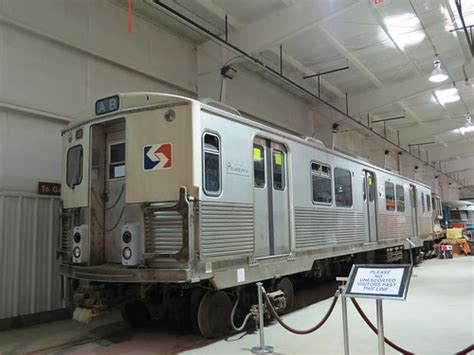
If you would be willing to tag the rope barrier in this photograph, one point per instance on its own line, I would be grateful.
(466, 350)
(375, 330)
(297, 331)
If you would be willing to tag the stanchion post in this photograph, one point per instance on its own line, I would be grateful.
(262, 349)
(380, 333)
(345, 327)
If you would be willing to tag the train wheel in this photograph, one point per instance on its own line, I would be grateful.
(286, 286)
(214, 314)
(196, 296)
(136, 314)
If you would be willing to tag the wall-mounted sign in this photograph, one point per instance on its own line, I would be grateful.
(378, 281)
(49, 188)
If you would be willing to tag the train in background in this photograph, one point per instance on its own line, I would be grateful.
(460, 215)
(173, 208)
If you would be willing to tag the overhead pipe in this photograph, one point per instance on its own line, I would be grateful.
(275, 73)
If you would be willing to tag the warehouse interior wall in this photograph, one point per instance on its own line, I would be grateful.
(59, 56)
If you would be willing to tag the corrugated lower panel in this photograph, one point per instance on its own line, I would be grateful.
(227, 229)
(29, 269)
(322, 226)
(394, 225)
(163, 232)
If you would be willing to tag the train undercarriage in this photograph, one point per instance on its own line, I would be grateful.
(199, 307)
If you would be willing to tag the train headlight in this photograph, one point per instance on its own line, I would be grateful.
(127, 253)
(77, 237)
(127, 237)
(76, 252)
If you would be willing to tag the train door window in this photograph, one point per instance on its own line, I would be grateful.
(400, 194)
(278, 170)
(371, 183)
(258, 166)
(423, 202)
(321, 183)
(389, 196)
(428, 203)
(212, 169)
(343, 187)
(116, 160)
(74, 166)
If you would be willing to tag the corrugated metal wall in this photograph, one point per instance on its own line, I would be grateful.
(29, 277)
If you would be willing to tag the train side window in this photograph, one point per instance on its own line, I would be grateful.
(400, 192)
(343, 187)
(321, 183)
(389, 196)
(423, 202)
(258, 166)
(212, 168)
(74, 166)
(116, 160)
(428, 203)
(278, 170)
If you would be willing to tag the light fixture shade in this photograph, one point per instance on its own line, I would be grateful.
(438, 74)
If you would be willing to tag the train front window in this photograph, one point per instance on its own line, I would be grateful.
(258, 166)
(212, 170)
(400, 198)
(428, 203)
(321, 183)
(389, 196)
(278, 170)
(74, 166)
(117, 160)
(343, 187)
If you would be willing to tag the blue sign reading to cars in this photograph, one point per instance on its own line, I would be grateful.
(109, 104)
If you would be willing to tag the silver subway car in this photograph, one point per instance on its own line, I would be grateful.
(167, 201)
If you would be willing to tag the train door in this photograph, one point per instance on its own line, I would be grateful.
(414, 215)
(270, 198)
(114, 189)
(370, 205)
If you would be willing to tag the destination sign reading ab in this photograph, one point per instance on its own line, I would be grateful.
(109, 104)
(378, 281)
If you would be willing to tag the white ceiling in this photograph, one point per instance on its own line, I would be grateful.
(389, 48)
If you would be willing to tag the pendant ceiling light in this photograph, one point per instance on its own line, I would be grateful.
(438, 74)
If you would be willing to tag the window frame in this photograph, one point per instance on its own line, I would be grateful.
(334, 187)
(330, 180)
(81, 166)
(109, 159)
(428, 203)
(394, 197)
(264, 166)
(397, 200)
(203, 157)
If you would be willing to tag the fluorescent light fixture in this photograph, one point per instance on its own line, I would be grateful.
(467, 129)
(438, 75)
(447, 96)
(405, 29)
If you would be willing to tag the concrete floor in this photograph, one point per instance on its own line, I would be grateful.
(436, 318)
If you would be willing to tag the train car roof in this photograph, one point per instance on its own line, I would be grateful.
(137, 101)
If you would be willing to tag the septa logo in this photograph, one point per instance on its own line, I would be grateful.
(157, 156)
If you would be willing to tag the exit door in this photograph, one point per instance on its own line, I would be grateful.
(370, 205)
(414, 216)
(272, 236)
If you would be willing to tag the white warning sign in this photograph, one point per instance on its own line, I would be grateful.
(379, 281)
